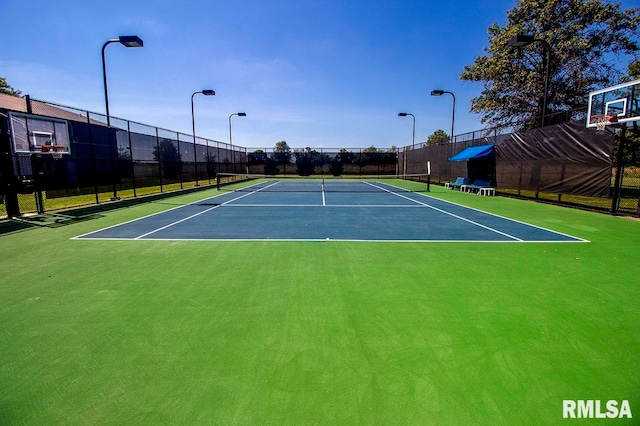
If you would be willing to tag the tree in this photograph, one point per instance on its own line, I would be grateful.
(304, 161)
(257, 157)
(123, 153)
(335, 166)
(439, 137)
(583, 36)
(169, 157)
(271, 167)
(346, 156)
(8, 90)
(634, 69)
(282, 154)
(308, 159)
(211, 164)
(366, 156)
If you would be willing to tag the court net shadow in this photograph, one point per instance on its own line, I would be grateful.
(12, 226)
(52, 220)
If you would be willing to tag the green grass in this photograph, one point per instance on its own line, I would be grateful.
(144, 332)
(625, 204)
(58, 203)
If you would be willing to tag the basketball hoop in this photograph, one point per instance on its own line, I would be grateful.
(56, 151)
(603, 120)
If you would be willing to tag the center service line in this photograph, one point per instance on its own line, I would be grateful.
(324, 201)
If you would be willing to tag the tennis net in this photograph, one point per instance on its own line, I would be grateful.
(319, 183)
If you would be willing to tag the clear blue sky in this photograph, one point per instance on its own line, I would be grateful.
(314, 73)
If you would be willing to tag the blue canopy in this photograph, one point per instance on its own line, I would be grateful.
(478, 152)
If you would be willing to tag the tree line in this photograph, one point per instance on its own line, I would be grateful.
(308, 161)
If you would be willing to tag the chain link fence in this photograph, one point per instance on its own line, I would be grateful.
(322, 161)
(130, 159)
(124, 160)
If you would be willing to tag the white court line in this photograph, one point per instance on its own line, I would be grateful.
(390, 206)
(155, 214)
(353, 240)
(415, 204)
(204, 211)
(446, 212)
(499, 216)
(324, 200)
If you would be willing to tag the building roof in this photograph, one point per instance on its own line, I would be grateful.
(14, 103)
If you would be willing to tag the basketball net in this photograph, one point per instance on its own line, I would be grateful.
(56, 151)
(603, 120)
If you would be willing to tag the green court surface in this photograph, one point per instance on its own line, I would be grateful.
(259, 332)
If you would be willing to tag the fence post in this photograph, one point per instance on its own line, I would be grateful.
(6, 168)
(179, 157)
(615, 202)
(246, 160)
(133, 170)
(93, 158)
(208, 158)
(159, 157)
(217, 162)
(113, 164)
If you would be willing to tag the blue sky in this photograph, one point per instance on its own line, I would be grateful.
(313, 73)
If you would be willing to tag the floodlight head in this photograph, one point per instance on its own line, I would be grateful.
(208, 92)
(131, 41)
(521, 40)
(402, 114)
(242, 114)
(437, 92)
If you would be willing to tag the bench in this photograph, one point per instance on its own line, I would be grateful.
(461, 181)
(480, 185)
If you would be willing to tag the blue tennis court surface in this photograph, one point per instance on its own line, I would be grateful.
(321, 211)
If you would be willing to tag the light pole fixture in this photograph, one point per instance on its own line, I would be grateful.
(522, 40)
(206, 92)
(239, 114)
(453, 109)
(126, 41)
(413, 141)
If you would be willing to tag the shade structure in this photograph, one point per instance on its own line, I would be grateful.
(483, 152)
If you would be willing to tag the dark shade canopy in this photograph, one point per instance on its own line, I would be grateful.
(477, 152)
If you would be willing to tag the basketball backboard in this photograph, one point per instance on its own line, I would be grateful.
(616, 105)
(31, 134)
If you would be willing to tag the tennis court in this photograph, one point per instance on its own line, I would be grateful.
(318, 209)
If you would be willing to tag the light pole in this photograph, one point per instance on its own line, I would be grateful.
(453, 109)
(206, 92)
(413, 141)
(239, 114)
(522, 40)
(126, 41)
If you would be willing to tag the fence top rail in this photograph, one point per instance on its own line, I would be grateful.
(86, 113)
(463, 137)
(384, 150)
